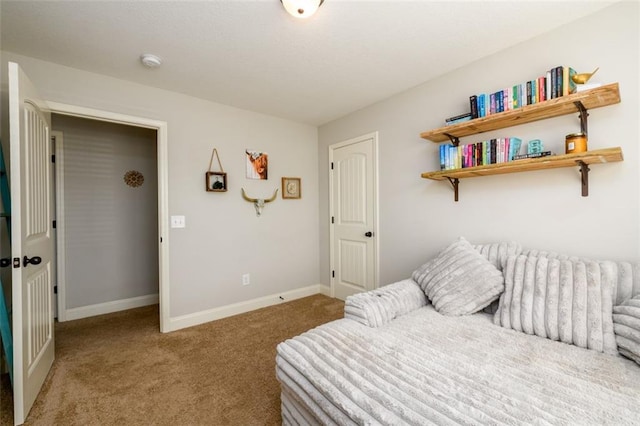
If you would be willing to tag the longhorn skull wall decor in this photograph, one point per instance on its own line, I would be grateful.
(259, 203)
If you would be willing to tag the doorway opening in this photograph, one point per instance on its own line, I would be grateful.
(111, 212)
(106, 221)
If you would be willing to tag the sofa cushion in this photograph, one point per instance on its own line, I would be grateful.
(459, 281)
(626, 325)
(498, 253)
(568, 300)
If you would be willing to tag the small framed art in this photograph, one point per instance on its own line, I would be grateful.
(291, 187)
(216, 181)
(257, 164)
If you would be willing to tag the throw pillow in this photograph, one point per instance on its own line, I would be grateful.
(627, 274)
(377, 307)
(459, 281)
(569, 300)
(497, 253)
(626, 325)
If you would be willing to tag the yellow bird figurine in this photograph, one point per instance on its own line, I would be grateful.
(582, 78)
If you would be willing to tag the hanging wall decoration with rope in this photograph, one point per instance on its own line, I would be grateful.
(215, 181)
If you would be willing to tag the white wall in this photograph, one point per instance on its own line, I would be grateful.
(110, 229)
(542, 209)
(223, 238)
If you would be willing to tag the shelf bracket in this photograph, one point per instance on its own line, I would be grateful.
(584, 173)
(454, 139)
(583, 116)
(454, 183)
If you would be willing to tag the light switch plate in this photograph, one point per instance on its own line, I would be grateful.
(178, 222)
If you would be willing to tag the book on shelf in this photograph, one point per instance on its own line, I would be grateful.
(568, 85)
(559, 82)
(587, 86)
(542, 89)
(493, 151)
(459, 120)
(532, 155)
(473, 106)
(514, 147)
(458, 117)
(482, 105)
(554, 83)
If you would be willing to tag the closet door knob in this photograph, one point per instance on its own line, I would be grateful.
(35, 260)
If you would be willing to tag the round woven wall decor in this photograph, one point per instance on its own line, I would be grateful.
(133, 178)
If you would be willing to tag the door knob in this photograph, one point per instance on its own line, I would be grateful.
(35, 260)
(368, 234)
(4, 262)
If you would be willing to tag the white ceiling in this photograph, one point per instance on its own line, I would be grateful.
(252, 55)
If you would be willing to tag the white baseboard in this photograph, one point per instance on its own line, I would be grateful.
(202, 317)
(110, 307)
(325, 290)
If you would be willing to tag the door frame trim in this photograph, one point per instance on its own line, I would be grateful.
(58, 212)
(376, 207)
(162, 145)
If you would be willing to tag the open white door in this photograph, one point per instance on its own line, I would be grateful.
(32, 242)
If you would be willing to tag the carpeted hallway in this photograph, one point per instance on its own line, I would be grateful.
(119, 369)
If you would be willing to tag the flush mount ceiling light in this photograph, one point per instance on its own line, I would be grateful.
(301, 8)
(150, 61)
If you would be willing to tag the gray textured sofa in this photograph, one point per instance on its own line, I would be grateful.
(549, 353)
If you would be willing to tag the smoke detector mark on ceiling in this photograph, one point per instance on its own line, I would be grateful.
(150, 61)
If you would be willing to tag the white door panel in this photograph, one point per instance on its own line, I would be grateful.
(352, 258)
(31, 245)
(354, 207)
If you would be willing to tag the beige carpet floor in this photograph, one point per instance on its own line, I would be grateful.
(118, 369)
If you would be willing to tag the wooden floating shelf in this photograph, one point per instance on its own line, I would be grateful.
(582, 159)
(594, 98)
(607, 155)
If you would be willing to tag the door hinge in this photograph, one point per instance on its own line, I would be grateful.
(333, 219)
(16, 262)
(333, 274)
(332, 165)
(55, 289)
(53, 224)
(53, 158)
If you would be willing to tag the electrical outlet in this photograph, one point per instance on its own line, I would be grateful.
(246, 279)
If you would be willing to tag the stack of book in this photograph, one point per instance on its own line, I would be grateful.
(555, 83)
(491, 151)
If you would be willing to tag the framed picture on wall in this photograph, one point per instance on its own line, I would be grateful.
(291, 187)
(257, 164)
(216, 181)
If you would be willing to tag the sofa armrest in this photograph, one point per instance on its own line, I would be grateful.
(377, 307)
